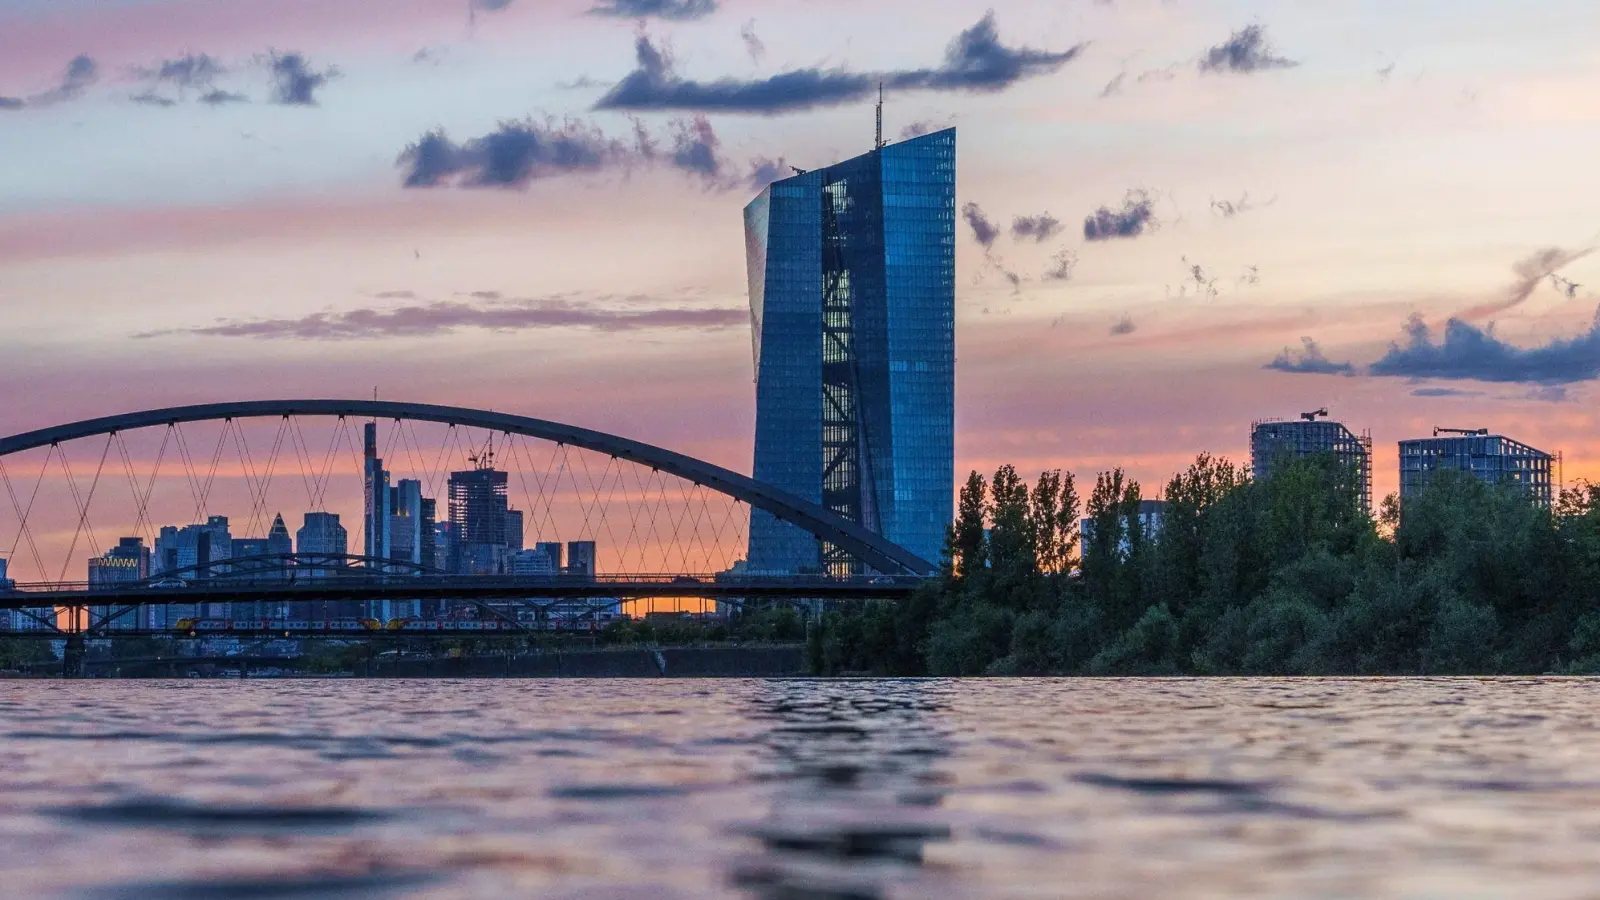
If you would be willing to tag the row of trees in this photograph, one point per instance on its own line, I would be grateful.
(1287, 575)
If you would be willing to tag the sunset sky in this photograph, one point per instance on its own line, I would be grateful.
(535, 206)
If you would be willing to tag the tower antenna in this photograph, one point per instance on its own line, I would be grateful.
(877, 143)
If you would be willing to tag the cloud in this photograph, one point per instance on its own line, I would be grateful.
(1062, 265)
(1469, 353)
(219, 97)
(1038, 228)
(444, 317)
(1228, 209)
(1135, 217)
(12, 103)
(1123, 326)
(984, 231)
(191, 71)
(295, 82)
(765, 171)
(1246, 50)
(1309, 361)
(752, 41)
(916, 129)
(82, 72)
(517, 153)
(1530, 272)
(1444, 392)
(975, 60)
(150, 98)
(512, 156)
(674, 10)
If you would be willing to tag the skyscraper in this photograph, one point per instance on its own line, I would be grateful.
(1491, 458)
(581, 558)
(375, 522)
(852, 300)
(478, 507)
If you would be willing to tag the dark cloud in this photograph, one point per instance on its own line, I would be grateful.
(1062, 265)
(1228, 209)
(1469, 353)
(984, 231)
(12, 103)
(1123, 326)
(1246, 50)
(511, 156)
(192, 71)
(1444, 392)
(1309, 361)
(765, 171)
(82, 72)
(150, 98)
(1549, 394)
(1530, 272)
(975, 61)
(1136, 216)
(752, 41)
(295, 82)
(674, 10)
(424, 320)
(916, 129)
(695, 148)
(1038, 228)
(219, 97)
(490, 5)
(518, 153)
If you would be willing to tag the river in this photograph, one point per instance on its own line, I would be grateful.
(787, 789)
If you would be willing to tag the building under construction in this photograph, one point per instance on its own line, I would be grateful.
(1274, 441)
(1490, 458)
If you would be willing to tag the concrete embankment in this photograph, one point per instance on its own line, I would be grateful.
(683, 662)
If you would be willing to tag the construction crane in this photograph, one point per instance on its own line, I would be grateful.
(1312, 416)
(1470, 432)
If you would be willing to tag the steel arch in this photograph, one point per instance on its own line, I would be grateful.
(872, 549)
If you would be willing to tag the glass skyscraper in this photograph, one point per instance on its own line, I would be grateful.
(852, 299)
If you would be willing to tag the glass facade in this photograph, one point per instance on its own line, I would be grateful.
(1487, 457)
(852, 302)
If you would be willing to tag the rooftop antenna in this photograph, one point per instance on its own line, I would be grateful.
(877, 143)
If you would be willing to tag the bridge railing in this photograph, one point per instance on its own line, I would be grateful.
(400, 582)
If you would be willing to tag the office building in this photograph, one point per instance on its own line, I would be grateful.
(447, 546)
(552, 550)
(532, 564)
(852, 301)
(123, 566)
(1491, 458)
(375, 485)
(410, 528)
(1274, 442)
(193, 552)
(581, 559)
(479, 510)
(321, 535)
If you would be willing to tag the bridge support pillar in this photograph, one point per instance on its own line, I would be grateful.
(72, 657)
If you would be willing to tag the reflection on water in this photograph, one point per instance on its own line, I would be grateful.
(800, 789)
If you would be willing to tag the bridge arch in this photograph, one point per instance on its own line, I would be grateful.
(870, 548)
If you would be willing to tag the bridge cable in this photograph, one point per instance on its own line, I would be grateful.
(23, 514)
(188, 464)
(82, 501)
(633, 508)
(301, 452)
(330, 461)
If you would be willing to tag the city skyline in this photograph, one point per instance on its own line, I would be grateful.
(1429, 181)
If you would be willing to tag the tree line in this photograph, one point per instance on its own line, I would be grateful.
(1286, 575)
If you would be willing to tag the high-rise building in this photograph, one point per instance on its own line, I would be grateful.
(513, 531)
(551, 549)
(852, 300)
(447, 546)
(407, 538)
(193, 551)
(321, 535)
(1491, 458)
(531, 563)
(429, 532)
(478, 508)
(126, 564)
(375, 481)
(581, 558)
(1274, 442)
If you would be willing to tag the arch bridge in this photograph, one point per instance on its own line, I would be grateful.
(890, 570)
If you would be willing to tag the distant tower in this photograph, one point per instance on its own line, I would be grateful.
(1273, 441)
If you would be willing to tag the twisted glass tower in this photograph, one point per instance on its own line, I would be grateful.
(852, 302)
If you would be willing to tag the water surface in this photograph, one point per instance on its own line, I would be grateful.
(800, 789)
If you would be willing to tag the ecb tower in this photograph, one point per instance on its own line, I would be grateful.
(852, 302)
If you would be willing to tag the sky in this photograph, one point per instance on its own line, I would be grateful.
(1178, 216)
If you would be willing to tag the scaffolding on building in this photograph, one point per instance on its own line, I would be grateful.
(1275, 440)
